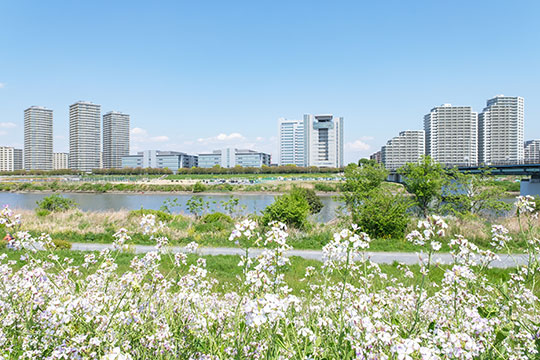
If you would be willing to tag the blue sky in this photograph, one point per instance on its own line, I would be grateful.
(201, 75)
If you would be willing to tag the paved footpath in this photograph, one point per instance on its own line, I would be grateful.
(377, 257)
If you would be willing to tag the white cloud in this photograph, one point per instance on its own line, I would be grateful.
(7, 125)
(357, 145)
(161, 138)
(138, 132)
(222, 138)
(2, 85)
(141, 136)
(2, 133)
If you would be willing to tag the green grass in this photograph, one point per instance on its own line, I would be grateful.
(225, 269)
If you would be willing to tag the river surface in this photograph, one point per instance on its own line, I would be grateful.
(252, 203)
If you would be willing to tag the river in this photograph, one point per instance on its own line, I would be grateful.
(253, 203)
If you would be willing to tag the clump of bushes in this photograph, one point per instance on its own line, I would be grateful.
(54, 203)
(198, 187)
(292, 209)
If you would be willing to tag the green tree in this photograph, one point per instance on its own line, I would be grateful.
(425, 180)
(376, 210)
(475, 194)
(315, 203)
(291, 209)
(55, 203)
(360, 181)
(383, 215)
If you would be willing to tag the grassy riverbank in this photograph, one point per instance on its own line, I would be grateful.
(98, 227)
(225, 269)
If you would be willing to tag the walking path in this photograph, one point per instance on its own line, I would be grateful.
(377, 257)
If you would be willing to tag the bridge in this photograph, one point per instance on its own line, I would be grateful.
(530, 186)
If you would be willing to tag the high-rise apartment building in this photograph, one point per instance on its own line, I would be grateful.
(38, 138)
(84, 136)
(10, 158)
(317, 140)
(452, 135)
(292, 142)
(532, 152)
(60, 161)
(500, 131)
(115, 139)
(408, 147)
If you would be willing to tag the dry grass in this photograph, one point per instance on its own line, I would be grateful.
(87, 222)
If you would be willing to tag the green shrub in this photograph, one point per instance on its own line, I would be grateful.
(292, 209)
(315, 203)
(216, 217)
(55, 203)
(199, 187)
(383, 215)
(42, 212)
(160, 215)
(61, 244)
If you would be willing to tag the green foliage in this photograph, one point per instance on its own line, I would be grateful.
(315, 203)
(214, 222)
(216, 217)
(383, 215)
(55, 203)
(292, 209)
(199, 187)
(231, 206)
(360, 181)
(196, 205)
(425, 180)
(320, 186)
(160, 215)
(42, 212)
(61, 244)
(475, 194)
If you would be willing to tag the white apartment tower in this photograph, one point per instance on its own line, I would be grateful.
(10, 158)
(115, 139)
(292, 142)
(38, 138)
(408, 147)
(60, 161)
(452, 135)
(500, 131)
(532, 152)
(84, 136)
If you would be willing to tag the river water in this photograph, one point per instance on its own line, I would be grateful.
(253, 203)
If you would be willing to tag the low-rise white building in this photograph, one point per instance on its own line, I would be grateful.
(532, 152)
(408, 147)
(229, 158)
(10, 158)
(60, 161)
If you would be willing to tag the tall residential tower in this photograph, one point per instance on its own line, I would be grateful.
(408, 147)
(452, 135)
(38, 138)
(500, 131)
(115, 139)
(292, 142)
(84, 136)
